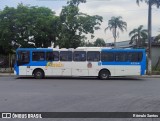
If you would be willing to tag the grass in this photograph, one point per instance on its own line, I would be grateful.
(156, 71)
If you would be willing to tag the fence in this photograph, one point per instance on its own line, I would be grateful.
(7, 63)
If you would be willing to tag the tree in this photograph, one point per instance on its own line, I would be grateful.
(6, 29)
(115, 24)
(150, 3)
(32, 26)
(75, 24)
(44, 26)
(157, 39)
(88, 44)
(99, 42)
(27, 26)
(138, 35)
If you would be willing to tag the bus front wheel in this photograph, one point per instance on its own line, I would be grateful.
(38, 74)
(104, 74)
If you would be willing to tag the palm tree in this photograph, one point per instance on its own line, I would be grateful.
(150, 3)
(157, 39)
(138, 35)
(115, 24)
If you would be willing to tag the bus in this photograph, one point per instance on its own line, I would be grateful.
(82, 61)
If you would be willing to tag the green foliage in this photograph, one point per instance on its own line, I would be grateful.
(87, 44)
(139, 36)
(153, 2)
(26, 26)
(157, 39)
(115, 24)
(74, 24)
(6, 29)
(76, 2)
(99, 42)
(32, 26)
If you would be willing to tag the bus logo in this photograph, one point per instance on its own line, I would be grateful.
(55, 65)
(89, 65)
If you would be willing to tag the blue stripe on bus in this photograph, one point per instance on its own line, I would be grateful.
(17, 70)
(35, 49)
(123, 50)
(121, 63)
(36, 63)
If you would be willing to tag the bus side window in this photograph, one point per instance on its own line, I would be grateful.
(93, 56)
(56, 56)
(52, 56)
(79, 56)
(49, 56)
(38, 56)
(140, 56)
(66, 56)
(121, 57)
(135, 56)
(23, 56)
(107, 56)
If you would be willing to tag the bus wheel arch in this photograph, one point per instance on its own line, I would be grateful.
(104, 74)
(38, 73)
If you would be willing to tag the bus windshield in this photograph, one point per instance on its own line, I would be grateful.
(23, 57)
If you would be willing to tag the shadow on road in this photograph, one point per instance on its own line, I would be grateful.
(87, 78)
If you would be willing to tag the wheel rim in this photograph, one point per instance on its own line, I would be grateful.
(104, 75)
(38, 74)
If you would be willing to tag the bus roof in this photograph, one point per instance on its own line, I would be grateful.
(81, 49)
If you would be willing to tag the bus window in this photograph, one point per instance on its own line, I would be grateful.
(23, 57)
(135, 56)
(107, 56)
(79, 56)
(93, 56)
(52, 56)
(121, 57)
(65, 56)
(38, 56)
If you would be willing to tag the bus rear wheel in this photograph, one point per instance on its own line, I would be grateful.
(38, 74)
(104, 74)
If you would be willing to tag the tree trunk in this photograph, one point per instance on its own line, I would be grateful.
(115, 37)
(115, 42)
(149, 38)
(138, 39)
(137, 42)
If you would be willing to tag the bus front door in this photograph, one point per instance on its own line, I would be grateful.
(22, 61)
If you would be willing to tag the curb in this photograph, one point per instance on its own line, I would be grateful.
(152, 76)
(6, 74)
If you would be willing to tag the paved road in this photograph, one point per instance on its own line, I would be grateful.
(80, 95)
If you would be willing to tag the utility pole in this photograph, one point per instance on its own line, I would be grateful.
(149, 38)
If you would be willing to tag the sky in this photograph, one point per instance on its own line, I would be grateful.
(131, 13)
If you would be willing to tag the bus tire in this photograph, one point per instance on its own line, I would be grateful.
(38, 74)
(104, 74)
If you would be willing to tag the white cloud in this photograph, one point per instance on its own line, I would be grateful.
(133, 14)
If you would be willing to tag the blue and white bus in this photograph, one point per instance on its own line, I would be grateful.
(82, 61)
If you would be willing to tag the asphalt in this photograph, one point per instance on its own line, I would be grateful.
(144, 76)
(80, 95)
